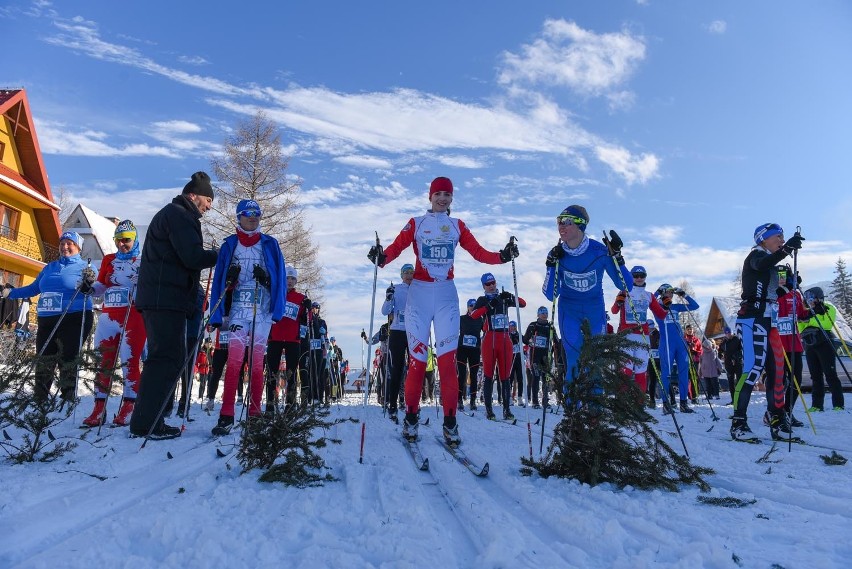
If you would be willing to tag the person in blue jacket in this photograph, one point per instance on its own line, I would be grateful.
(64, 309)
(575, 269)
(672, 344)
(250, 272)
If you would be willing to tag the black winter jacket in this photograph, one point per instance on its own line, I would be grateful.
(172, 259)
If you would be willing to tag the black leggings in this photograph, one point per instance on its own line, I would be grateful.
(63, 349)
(467, 357)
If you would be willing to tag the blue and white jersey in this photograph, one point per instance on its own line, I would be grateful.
(396, 305)
(579, 274)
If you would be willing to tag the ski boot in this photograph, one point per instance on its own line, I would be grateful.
(223, 426)
(160, 432)
(98, 416)
(507, 415)
(794, 422)
(473, 406)
(668, 408)
(685, 408)
(392, 414)
(779, 428)
(451, 432)
(410, 425)
(209, 404)
(460, 405)
(740, 430)
(122, 419)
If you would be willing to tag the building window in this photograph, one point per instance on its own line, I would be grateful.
(13, 279)
(9, 218)
(2, 150)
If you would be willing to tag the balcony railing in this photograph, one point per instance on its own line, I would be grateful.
(27, 245)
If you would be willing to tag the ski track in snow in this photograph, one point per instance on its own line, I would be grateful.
(193, 511)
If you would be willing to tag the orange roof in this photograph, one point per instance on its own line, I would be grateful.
(16, 108)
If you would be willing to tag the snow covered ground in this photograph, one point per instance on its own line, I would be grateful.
(150, 511)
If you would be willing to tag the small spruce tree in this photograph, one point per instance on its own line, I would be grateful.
(288, 435)
(841, 290)
(605, 436)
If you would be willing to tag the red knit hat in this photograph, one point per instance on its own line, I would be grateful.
(440, 184)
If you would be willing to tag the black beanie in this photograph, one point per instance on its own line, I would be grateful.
(199, 184)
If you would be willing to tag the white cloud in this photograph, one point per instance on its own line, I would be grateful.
(371, 162)
(59, 138)
(193, 60)
(632, 168)
(567, 55)
(717, 27)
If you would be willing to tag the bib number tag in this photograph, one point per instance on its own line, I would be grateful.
(116, 297)
(655, 353)
(245, 297)
(437, 251)
(50, 302)
(499, 322)
(224, 337)
(291, 311)
(773, 314)
(516, 348)
(785, 325)
(469, 341)
(541, 341)
(316, 343)
(303, 331)
(400, 317)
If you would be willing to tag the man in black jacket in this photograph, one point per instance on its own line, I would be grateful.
(172, 260)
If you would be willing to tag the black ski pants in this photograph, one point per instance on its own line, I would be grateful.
(63, 349)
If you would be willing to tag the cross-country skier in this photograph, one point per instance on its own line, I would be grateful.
(117, 284)
(497, 351)
(468, 353)
(395, 302)
(673, 349)
(632, 308)
(252, 262)
(762, 349)
(789, 297)
(433, 299)
(577, 265)
(543, 351)
(285, 336)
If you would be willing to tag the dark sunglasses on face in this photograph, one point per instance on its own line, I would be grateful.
(639, 275)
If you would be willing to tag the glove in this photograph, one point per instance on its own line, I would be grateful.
(794, 243)
(494, 302)
(261, 276)
(555, 254)
(307, 303)
(819, 308)
(782, 290)
(680, 292)
(6, 291)
(509, 252)
(666, 301)
(232, 275)
(389, 293)
(87, 279)
(620, 298)
(364, 335)
(377, 255)
(211, 327)
(613, 243)
(506, 295)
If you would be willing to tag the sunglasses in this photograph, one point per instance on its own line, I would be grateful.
(249, 213)
(126, 240)
(639, 275)
(570, 220)
(489, 283)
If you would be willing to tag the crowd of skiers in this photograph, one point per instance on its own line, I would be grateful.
(574, 269)
(153, 301)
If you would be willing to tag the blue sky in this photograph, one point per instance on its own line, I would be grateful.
(681, 124)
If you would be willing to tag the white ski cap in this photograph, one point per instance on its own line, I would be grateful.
(291, 271)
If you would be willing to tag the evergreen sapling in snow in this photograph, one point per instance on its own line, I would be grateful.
(604, 436)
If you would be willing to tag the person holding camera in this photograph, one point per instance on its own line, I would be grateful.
(819, 349)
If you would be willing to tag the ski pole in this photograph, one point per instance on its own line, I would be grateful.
(228, 285)
(706, 339)
(512, 240)
(117, 359)
(80, 345)
(372, 317)
(664, 394)
(550, 350)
